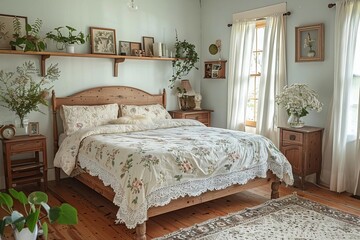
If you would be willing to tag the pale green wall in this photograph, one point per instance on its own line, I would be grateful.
(156, 18)
(215, 15)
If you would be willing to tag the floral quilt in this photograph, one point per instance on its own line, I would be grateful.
(150, 164)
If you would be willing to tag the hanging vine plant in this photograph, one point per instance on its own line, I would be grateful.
(186, 58)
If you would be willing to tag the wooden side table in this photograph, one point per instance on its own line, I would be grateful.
(203, 116)
(303, 148)
(29, 170)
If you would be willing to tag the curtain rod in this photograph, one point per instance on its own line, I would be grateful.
(331, 5)
(285, 14)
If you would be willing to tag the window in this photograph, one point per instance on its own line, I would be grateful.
(255, 73)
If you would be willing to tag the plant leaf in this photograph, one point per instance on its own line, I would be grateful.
(6, 199)
(37, 198)
(2, 227)
(32, 219)
(45, 230)
(20, 196)
(65, 214)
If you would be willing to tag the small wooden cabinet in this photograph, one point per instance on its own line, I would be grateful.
(302, 147)
(29, 170)
(215, 69)
(203, 116)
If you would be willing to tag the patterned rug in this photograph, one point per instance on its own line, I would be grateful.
(290, 217)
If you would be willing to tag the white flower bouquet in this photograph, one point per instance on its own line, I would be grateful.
(297, 99)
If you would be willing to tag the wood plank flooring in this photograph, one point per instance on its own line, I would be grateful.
(97, 214)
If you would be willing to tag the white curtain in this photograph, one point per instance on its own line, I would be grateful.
(241, 45)
(273, 78)
(342, 140)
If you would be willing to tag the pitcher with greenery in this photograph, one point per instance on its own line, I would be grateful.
(22, 93)
(63, 41)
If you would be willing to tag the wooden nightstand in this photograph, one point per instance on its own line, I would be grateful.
(302, 147)
(203, 116)
(30, 170)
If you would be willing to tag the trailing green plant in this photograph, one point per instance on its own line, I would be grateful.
(31, 214)
(71, 38)
(185, 59)
(31, 41)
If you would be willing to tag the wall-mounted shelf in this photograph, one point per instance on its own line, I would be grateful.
(117, 58)
(215, 69)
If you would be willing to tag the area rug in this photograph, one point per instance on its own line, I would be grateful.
(290, 217)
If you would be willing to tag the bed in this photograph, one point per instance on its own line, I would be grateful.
(130, 164)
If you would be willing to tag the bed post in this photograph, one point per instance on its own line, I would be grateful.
(55, 132)
(164, 98)
(141, 231)
(275, 188)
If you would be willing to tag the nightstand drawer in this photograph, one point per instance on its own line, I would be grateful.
(201, 117)
(26, 146)
(292, 137)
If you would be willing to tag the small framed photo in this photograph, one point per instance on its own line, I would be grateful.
(309, 43)
(103, 40)
(148, 46)
(7, 29)
(33, 128)
(135, 46)
(215, 74)
(216, 67)
(125, 48)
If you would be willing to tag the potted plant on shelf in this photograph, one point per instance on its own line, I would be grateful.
(69, 41)
(185, 59)
(31, 41)
(25, 223)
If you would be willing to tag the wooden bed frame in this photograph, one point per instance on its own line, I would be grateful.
(134, 96)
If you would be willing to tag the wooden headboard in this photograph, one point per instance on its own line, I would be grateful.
(103, 95)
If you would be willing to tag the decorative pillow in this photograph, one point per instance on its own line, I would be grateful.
(136, 119)
(78, 117)
(155, 111)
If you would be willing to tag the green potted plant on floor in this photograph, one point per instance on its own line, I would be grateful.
(26, 223)
(185, 59)
(68, 41)
(31, 41)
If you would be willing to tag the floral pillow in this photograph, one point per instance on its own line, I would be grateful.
(78, 117)
(155, 111)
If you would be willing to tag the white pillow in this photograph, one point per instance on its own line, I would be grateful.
(136, 119)
(77, 117)
(155, 111)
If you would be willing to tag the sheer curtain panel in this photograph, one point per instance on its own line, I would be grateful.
(273, 78)
(241, 44)
(342, 141)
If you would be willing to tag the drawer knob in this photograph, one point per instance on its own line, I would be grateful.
(196, 118)
(292, 137)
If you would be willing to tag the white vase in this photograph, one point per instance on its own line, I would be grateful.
(25, 234)
(311, 53)
(295, 121)
(70, 48)
(21, 129)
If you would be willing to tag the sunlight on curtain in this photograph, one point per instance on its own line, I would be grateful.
(273, 78)
(342, 142)
(241, 43)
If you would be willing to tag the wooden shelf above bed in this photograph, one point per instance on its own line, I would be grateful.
(117, 58)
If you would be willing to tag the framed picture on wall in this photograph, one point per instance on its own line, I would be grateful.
(103, 40)
(148, 46)
(309, 43)
(7, 29)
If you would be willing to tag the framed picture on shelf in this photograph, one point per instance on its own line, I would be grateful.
(33, 128)
(148, 46)
(124, 48)
(7, 29)
(135, 47)
(103, 40)
(309, 43)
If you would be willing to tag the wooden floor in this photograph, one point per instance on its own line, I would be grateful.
(97, 215)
